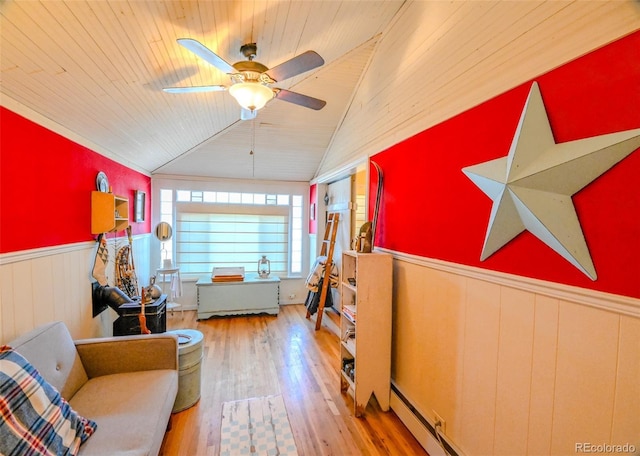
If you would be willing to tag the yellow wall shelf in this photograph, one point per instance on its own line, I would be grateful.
(108, 212)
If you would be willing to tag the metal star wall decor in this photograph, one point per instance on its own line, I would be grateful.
(532, 186)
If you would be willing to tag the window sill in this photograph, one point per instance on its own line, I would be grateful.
(195, 278)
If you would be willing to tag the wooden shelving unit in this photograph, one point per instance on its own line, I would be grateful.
(365, 328)
(108, 212)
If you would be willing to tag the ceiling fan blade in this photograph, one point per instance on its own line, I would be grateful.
(206, 54)
(195, 89)
(295, 66)
(299, 99)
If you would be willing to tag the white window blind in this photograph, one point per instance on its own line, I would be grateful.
(210, 236)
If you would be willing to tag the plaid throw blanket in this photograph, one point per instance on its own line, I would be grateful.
(36, 420)
(317, 273)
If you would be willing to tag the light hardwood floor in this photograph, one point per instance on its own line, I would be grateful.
(263, 355)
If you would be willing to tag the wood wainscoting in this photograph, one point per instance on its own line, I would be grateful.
(263, 355)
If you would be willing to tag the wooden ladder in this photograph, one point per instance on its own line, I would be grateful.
(328, 244)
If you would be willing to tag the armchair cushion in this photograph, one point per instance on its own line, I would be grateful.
(49, 348)
(128, 408)
(116, 355)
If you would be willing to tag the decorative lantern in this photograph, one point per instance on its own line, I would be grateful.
(264, 267)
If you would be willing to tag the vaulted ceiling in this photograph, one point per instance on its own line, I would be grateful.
(97, 68)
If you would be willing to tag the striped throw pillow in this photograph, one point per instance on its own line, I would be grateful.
(36, 420)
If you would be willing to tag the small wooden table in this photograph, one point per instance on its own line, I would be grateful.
(251, 296)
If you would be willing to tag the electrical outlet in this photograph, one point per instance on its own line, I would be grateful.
(438, 421)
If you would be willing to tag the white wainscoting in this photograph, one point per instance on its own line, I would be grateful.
(514, 365)
(54, 283)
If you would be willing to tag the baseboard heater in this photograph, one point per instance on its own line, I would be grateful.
(419, 426)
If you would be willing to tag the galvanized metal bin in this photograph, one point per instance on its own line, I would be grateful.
(190, 360)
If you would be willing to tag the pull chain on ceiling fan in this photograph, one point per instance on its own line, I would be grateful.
(251, 81)
(252, 152)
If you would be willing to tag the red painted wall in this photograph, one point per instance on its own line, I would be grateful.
(45, 186)
(430, 208)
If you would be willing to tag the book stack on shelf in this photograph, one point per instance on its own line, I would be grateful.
(227, 274)
(349, 312)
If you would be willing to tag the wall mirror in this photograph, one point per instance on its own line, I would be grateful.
(164, 231)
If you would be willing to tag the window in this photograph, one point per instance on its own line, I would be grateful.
(218, 229)
(166, 215)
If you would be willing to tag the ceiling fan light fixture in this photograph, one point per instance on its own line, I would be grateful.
(251, 95)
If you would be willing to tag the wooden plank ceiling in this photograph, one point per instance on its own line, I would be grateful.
(97, 69)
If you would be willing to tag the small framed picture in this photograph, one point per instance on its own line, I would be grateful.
(139, 206)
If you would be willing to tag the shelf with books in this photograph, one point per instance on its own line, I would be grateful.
(365, 327)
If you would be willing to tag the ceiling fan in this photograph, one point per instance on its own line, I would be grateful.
(251, 81)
